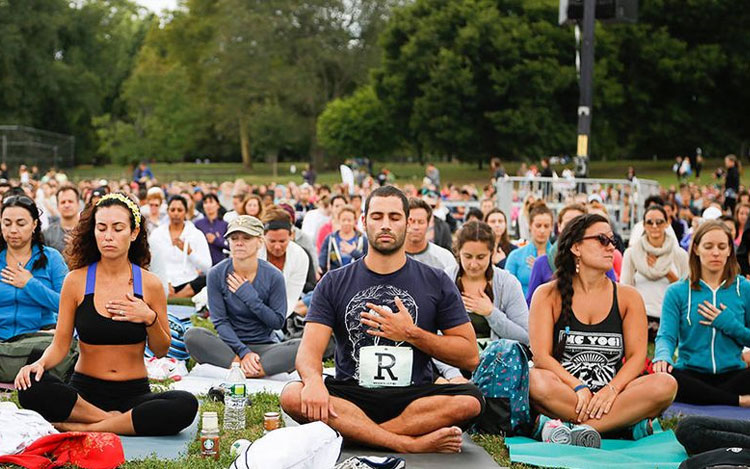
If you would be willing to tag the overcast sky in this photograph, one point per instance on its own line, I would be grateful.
(158, 5)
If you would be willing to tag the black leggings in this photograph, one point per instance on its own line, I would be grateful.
(165, 413)
(707, 389)
(701, 434)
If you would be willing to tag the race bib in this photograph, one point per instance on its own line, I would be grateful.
(382, 366)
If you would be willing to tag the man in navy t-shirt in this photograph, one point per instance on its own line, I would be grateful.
(385, 311)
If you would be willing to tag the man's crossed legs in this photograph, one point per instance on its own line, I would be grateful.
(416, 419)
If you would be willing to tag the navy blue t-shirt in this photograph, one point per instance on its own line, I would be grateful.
(428, 294)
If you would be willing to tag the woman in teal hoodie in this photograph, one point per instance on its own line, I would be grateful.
(707, 318)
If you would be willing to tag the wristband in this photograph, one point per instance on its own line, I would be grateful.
(156, 316)
(581, 386)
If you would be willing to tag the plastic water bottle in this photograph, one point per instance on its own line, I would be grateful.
(235, 399)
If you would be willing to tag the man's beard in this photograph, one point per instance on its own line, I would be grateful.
(387, 250)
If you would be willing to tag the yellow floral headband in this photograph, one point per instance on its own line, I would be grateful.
(128, 202)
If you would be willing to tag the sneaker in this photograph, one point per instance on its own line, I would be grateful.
(372, 462)
(554, 431)
(646, 427)
(585, 435)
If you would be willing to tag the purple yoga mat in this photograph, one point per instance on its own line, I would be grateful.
(720, 411)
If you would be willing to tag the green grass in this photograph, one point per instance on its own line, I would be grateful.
(405, 173)
(265, 402)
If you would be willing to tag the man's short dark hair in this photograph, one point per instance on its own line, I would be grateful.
(415, 203)
(211, 196)
(653, 200)
(388, 191)
(337, 197)
(67, 187)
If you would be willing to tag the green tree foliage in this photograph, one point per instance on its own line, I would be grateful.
(61, 62)
(357, 126)
(472, 78)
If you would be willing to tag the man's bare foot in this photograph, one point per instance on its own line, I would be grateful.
(745, 400)
(443, 440)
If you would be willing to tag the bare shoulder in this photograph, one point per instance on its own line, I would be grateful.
(547, 291)
(151, 281)
(76, 278)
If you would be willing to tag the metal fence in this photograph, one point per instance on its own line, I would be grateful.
(29, 146)
(624, 210)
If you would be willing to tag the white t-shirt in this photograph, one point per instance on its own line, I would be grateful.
(435, 256)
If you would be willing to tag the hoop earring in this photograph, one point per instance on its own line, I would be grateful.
(578, 265)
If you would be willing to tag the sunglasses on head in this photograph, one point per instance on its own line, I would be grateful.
(603, 239)
(658, 222)
(18, 199)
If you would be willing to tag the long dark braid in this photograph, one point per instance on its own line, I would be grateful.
(565, 264)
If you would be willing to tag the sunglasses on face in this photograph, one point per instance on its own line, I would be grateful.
(603, 239)
(658, 222)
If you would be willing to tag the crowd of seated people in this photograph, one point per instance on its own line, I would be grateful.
(292, 271)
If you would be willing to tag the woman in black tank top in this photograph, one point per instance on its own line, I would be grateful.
(589, 338)
(109, 391)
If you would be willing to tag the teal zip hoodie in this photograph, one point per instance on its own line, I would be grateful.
(712, 349)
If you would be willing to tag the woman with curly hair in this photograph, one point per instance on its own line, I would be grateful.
(31, 278)
(588, 358)
(117, 308)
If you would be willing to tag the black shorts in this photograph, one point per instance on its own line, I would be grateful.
(384, 404)
(198, 283)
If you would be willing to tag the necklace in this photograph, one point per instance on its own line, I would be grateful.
(16, 259)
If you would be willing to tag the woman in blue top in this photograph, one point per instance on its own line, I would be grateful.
(707, 319)
(521, 261)
(344, 245)
(247, 300)
(32, 274)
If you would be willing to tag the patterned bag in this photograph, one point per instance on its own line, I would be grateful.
(177, 349)
(503, 378)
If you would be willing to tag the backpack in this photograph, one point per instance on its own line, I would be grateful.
(724, 458)
(177, 349)
(27, 348)
(503, 378)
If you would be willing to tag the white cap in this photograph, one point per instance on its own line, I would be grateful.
(711, 213)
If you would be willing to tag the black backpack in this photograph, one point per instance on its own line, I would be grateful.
(723, 458)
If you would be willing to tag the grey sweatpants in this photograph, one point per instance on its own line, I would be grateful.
(206, 347)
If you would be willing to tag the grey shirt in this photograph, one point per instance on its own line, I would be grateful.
(54, 235)
(435, 256)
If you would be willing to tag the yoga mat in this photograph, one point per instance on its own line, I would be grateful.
(471, 456)
(661, 451)
(181, 312)
(163, 447)
(720, 411)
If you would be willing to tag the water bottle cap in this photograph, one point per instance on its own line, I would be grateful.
(235, 364)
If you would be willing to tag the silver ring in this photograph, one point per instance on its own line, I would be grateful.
(122, 313)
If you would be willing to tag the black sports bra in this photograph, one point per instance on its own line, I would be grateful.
(95, 329)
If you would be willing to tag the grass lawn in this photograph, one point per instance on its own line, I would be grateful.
(458, 173)
(265, 402)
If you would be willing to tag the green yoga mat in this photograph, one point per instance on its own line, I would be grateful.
(660, 451)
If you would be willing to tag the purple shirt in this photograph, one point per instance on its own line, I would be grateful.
(217, 247)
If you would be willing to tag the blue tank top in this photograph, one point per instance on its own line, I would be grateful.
(96, 329)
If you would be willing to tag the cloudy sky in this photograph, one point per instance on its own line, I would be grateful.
(158, 5)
